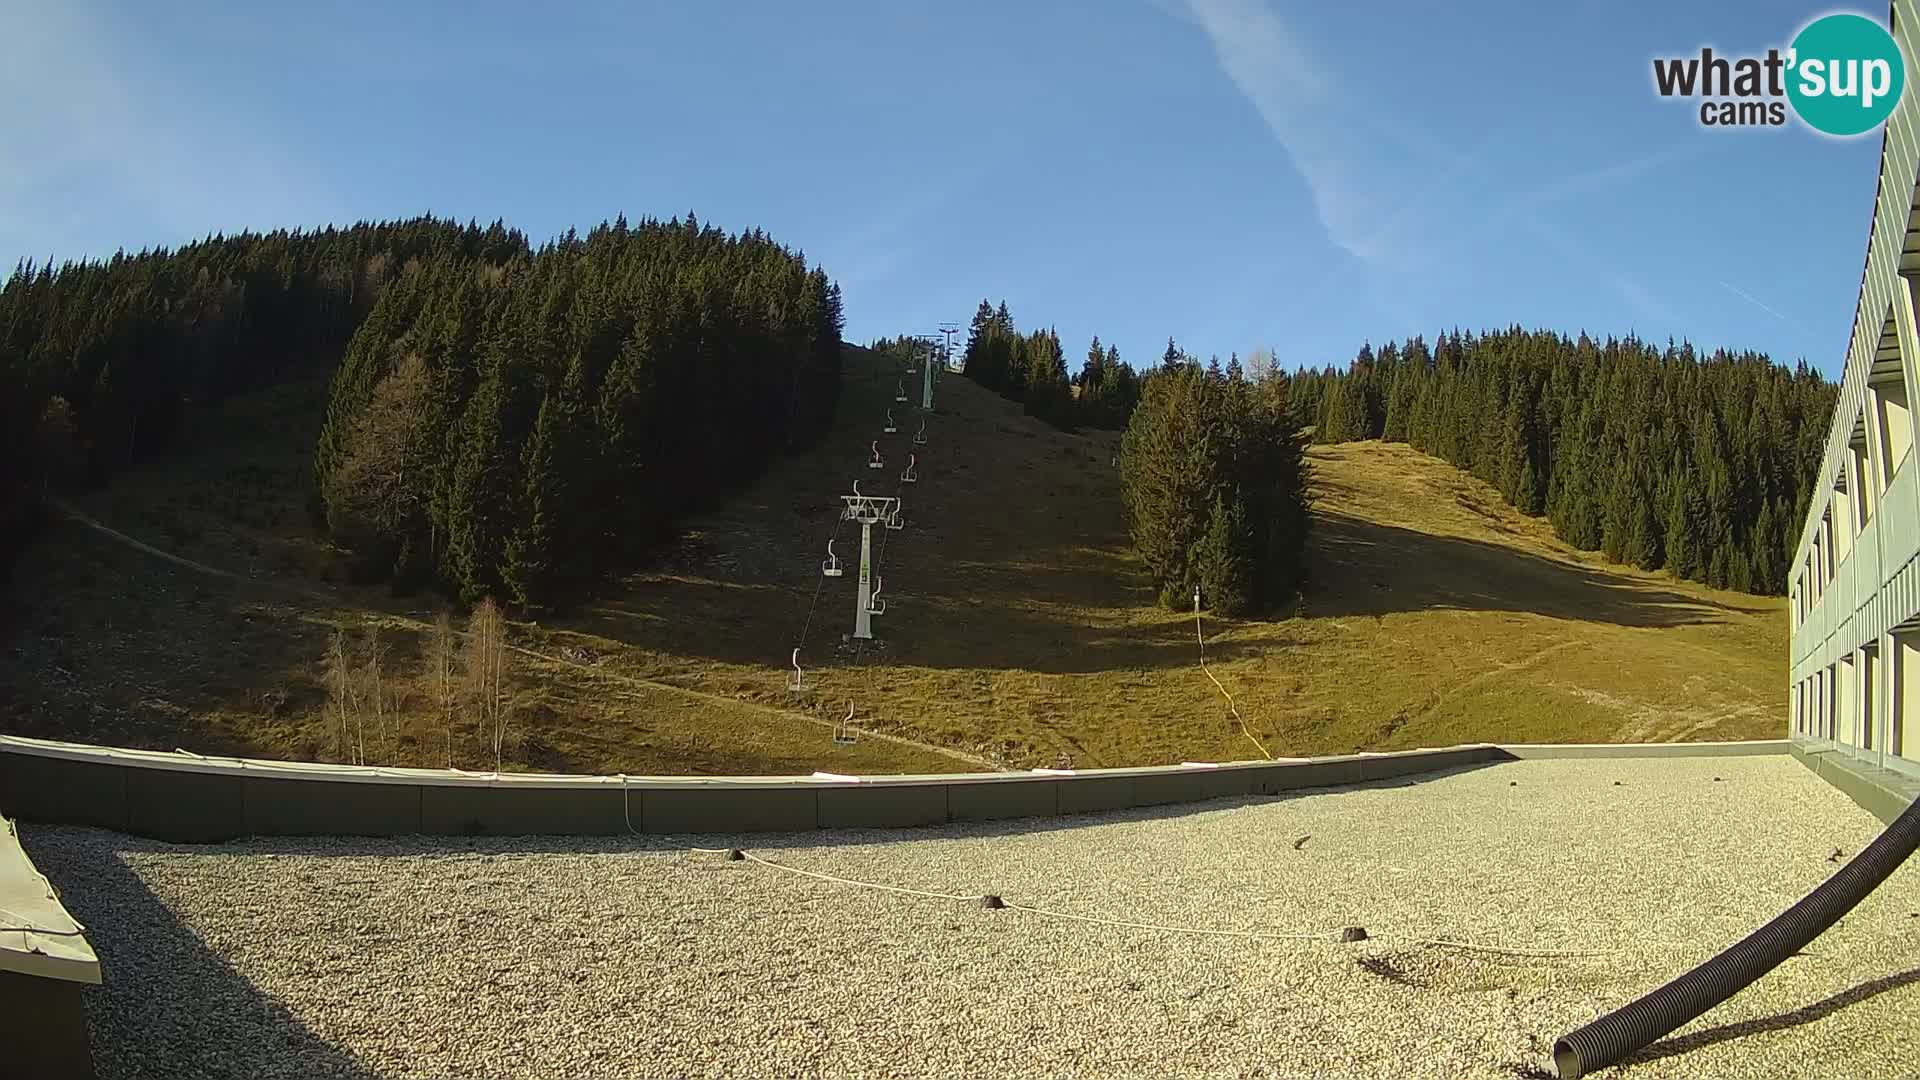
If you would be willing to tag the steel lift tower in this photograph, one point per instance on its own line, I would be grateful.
(868, 510)
(947, 330)
(926, 377)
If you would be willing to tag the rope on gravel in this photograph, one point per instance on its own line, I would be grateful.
(1050, 913)
(1540, 954)
(1254, 935)
(1201, 635)
(900, 889)
(1325, 935)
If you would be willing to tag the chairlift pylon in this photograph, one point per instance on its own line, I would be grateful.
(875, 462)
(909, 477)
(889, 429)
(831, 568)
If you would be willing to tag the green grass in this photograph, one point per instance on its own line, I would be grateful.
(1019, 625)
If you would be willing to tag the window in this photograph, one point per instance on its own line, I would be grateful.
(1860, 478)
(1887, 383)
(1869, 703)
(1841, 515)
(1903, 696)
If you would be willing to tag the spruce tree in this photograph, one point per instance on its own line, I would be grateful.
(484, 492)
(1216, 491)
(532, 556)
(1090, 370)
(1399, 403)
(554, 538)
(1224, 559)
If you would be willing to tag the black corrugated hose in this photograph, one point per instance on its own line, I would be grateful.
(1632, 1026)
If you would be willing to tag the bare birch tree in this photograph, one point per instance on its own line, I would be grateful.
(442, 669)
(338, 674)
(376, 694)
(485, 671)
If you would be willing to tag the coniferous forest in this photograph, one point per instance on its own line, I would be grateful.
(502, 420)
(506, 420)
(1661, 458)
(1032, 369)
(100, 360)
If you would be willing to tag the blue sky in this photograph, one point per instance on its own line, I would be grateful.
(1229, 172)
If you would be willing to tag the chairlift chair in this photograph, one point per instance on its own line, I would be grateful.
(889, 429)
(843, 734)
(875, 605)
(894, 521)
(899, 391)
(798, 684)
(920, 437)
(831, 568)
(874, 462)
(908, 477)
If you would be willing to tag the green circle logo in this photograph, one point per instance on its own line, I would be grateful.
(1845, 74)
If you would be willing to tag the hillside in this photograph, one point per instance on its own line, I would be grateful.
(1019, 627)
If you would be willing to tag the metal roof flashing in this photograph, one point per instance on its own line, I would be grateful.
(37, 935)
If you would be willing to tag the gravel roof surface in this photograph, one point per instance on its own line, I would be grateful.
(621, 957)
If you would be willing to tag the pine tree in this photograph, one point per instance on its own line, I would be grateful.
(1019, 367)
(1092, 368)
(1216, 491)
(1399, 403)
(484, 491)
(547, 548)
(977, 333)
(1682, 526)
(625, 417)
(528, 568)
(1225, 556)
(1048, 396)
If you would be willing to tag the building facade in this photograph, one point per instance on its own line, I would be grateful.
(1854, 593)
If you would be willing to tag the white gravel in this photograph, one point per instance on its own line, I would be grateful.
(495, 958)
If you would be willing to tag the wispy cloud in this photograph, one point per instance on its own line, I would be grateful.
(1629, 287)
(1352, 159)
(1173, 9)
(1749, 298)
(1605, 175)
(1270, 65)
(1642, 298)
